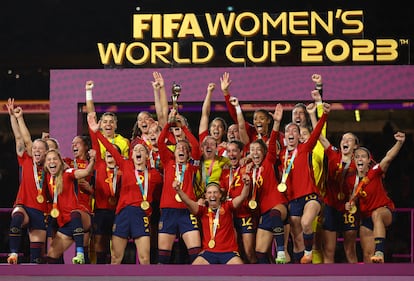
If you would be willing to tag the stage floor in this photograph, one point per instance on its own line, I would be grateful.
(291, 272)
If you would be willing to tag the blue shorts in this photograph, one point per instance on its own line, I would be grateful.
(218, 258)
(296, 206)
(37, 219)
(131, 222)
(177, 221)
(269, 223)
(334, 220)
(103, 221)
(67, 229)
(245, 225)
(368, 223)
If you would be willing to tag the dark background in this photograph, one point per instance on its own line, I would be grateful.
(40, 35)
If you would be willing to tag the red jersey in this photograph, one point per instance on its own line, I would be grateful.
(337, 173)
(84, 196)
(170, 169)
(67, 201)
(231, 181)
(134, 183)
(28, 190)
(301, 181)
(264, 179)
(224, 236)
(373, 194)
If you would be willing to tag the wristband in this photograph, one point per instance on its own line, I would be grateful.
(318, 86)
(238, 109)
(89, 95)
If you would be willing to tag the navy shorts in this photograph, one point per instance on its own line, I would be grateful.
(218, 258)
(368, 223)
(173, 221)
(245, 225)
(296, 206)
(334, 220)
(37, 219)
(131, 222)
(103, 221)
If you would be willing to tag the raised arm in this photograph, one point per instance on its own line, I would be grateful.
(244, 136)
(82, 173)
(392, 153)
(20, 147)
(160, 98)
(206, 109)
(90, 106)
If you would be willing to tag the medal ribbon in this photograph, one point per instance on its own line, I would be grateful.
(144, 189)
(358, 187)
(286, 171)
(213, 222)
(113, 176)
(343, 173)
(55, 195)
(206, 176)
(39, 184)
(179, 175)
(255, 180)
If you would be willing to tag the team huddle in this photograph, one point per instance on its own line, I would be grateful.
(232, 195)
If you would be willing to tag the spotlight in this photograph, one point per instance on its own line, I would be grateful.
(357, 116)
(230, 8)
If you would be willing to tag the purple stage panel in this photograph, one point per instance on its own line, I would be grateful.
(337, 272)
(264, 84)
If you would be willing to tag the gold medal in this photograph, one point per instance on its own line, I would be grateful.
(282, 187)
(40, 199)
(363, 193)
(211, 244)
(178, 198)
(54, 213)
(341, 196)
(353, 209)
(252, 204)
(145, 205)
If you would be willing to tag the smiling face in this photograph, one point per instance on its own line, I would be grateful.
(362, 160)
(348, 144)
(79, 148)
(53, 162)
(217, 130)
(234, 154)
(108, 124)
(261, 121)
(233, 132)
(182, 152)
(292, 135)
(209, 148)
(299, 115)
(213, 195)
(257, 153)
(139, 155)
(39, 149)
(144, 120)
(153, 134)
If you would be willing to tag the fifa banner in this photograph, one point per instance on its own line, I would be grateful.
(247, 38)
(250, 84)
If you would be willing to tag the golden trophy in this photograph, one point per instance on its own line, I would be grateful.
(176, 90)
